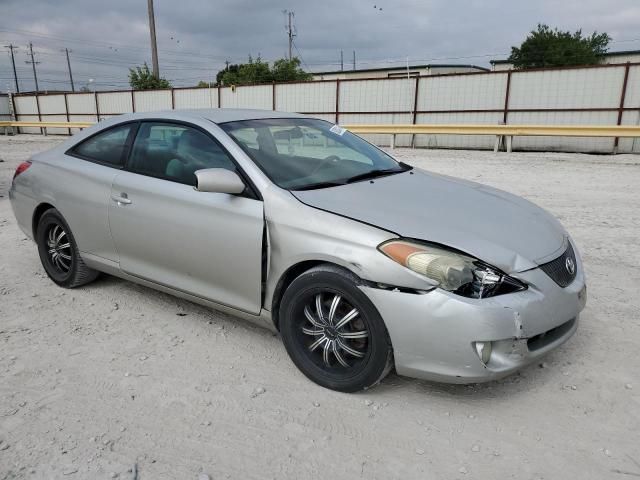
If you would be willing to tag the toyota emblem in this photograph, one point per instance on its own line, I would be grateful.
(570, 265)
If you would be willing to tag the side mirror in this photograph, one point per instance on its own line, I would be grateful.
(218, 180)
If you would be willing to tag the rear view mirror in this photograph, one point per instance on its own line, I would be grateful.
(289, 134)
(218, 180)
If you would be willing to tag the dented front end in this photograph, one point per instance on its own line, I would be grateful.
(444, 337)
(436, 334)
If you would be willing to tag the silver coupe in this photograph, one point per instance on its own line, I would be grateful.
(360, 262)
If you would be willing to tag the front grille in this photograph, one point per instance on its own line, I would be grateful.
(550, 336)
(559, 270)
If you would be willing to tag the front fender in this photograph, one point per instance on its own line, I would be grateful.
(299, 233)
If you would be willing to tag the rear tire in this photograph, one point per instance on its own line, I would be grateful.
(333, 332)
(59, 252)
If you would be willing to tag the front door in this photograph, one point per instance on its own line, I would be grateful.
(205, 244)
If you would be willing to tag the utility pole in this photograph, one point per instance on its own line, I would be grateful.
(154, 44)
(73, 88)
(291, 31)
(354, 59)
(341, 61)
(33, 64)
(13, 63)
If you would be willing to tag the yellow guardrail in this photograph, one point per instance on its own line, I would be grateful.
(432, 129)
(503, 130)
(6, 123)
(499, 131)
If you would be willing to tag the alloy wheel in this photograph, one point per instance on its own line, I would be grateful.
(59, 251)
(335, 333)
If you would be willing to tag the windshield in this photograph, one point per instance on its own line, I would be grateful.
(304, 153)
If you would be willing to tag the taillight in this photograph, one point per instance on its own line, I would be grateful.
(21, 168)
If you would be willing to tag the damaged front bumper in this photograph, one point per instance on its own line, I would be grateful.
(435, 334)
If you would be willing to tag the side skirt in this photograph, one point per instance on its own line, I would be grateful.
(263, 319)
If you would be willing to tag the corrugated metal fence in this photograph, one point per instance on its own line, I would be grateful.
(4, 107)
(592, 95)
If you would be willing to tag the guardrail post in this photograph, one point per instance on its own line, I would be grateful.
(505, 112)
(95, 98)
(13, 114)
(415, 110)
(273, 95)
(337, 100)
(623, 94)
(393, 141)
(39, 115)
(501, 139)
(66, 111)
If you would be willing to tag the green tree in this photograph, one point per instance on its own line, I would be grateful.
(259, 71)
(203, 84)
(229, 68)
(546, 47)
(285, 70)
(254, 71)
(140, 78)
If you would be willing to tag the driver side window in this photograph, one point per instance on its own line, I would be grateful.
(174, 152)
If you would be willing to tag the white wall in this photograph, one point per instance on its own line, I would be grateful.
(572, 96)
(348, 73)
(609, 59)
(4, 107)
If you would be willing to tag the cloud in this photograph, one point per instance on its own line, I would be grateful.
(195, 37)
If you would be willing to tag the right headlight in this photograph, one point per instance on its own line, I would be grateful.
(453, 271)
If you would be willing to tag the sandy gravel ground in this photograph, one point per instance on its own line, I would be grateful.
(98, 380)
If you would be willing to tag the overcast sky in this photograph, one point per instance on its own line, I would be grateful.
(195, 37)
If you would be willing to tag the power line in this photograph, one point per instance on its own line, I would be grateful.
(182, 53)
(116, 47)
(300, 56)
(118, 59)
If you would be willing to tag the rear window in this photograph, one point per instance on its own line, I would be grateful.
(107, 147)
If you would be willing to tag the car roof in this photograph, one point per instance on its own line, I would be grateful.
(216, 115)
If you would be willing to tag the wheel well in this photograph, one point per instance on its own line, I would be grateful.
(40, 209)
(289, 276)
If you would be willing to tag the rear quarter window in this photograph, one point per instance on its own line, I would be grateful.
(106, 147)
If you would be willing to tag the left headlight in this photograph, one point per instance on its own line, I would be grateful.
(454, 271)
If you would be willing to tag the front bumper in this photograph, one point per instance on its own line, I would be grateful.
(434, 333)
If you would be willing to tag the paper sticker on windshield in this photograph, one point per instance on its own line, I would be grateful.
(338, 130)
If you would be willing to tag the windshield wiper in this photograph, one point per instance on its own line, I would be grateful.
(381, 172)
(315, 186)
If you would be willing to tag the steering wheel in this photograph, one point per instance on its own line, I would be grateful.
(325, 162)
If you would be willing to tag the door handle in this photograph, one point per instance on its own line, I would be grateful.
(121, 199)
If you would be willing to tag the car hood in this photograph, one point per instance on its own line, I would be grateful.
(497, 227)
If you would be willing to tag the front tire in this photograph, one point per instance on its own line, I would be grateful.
(332, 331)
(59, 252)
